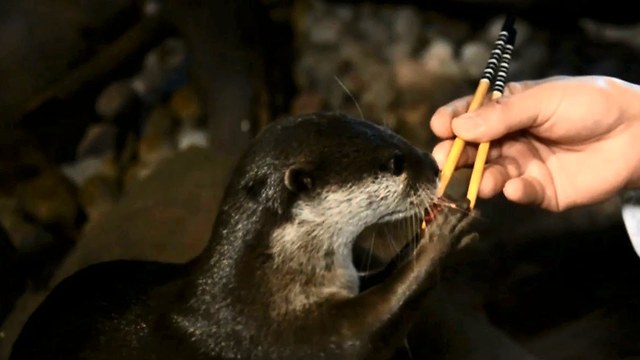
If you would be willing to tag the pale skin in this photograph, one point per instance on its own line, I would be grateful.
(556, 143)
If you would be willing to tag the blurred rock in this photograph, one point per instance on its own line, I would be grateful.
(186, 106)
(152, 7)
(79, 171)
(50, 199)
(307, 102)
(98, 194)
(317, 69)
(624, 34)
(416, 123)
(99, 140)
(25, 236)
(191, 137)
(115, 99)
(370, 27)
(473, 58)
(411, 74)
(436, 25)
(327, 31)
(438, 58)
(163, 71)
(20, 159)
(157, 141)
(406, 24)
(379, 89)
(406, 30)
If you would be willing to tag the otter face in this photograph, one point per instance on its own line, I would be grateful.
(334, 179)
(328, 182)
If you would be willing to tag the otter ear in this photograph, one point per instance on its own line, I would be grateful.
(298, 180)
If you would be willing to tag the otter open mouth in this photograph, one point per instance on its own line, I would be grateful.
(381, 247)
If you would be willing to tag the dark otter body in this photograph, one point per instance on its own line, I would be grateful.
(277, 278)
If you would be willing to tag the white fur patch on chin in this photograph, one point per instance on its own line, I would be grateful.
(319, 238)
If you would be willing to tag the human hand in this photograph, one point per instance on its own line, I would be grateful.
(555, 143)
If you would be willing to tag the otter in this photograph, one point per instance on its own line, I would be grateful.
(277, 279)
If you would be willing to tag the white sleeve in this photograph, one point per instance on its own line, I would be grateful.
(631, 216)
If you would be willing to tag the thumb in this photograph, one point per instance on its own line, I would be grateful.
(507, 114)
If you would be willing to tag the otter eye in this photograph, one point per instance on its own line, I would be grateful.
(298, 180)
(395, 165)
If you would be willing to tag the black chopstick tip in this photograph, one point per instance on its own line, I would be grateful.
(509, 23)
(511, 37)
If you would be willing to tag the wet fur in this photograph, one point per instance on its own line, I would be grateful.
(276, 280)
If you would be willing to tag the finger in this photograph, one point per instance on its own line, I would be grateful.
(494, 178)
(511, 165)
(441, 119)
(496, 174)
(508, 114)
(441, 153)
(526, 190)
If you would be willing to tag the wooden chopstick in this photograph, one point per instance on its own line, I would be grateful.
(477, 99)
(458, 144)
(483, 148)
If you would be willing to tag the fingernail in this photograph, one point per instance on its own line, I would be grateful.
(467, 125)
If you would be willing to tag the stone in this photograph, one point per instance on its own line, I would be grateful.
(371, 29)
(406, 30)
(49, 198)
(115, 99)
(185, 104)
(158, 137)
(79, 171)
(473, 58)
(439, 58)
(99, 140)
(410, 74)
(98, 194)
(437, 25)
(188, 137)
(326, 31)
(406, 24)
(307, 102)
(28, 238)
(415, 123)
(379, 90)
(163, 70)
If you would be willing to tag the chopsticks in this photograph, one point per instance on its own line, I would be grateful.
(500, 57)
(483, 148)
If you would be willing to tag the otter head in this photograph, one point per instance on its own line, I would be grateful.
(325, 179)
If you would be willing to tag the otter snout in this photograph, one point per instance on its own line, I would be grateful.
(429, 162)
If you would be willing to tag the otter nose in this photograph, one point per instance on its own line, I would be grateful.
(430, 163)
(422, 167)
(395, 164)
